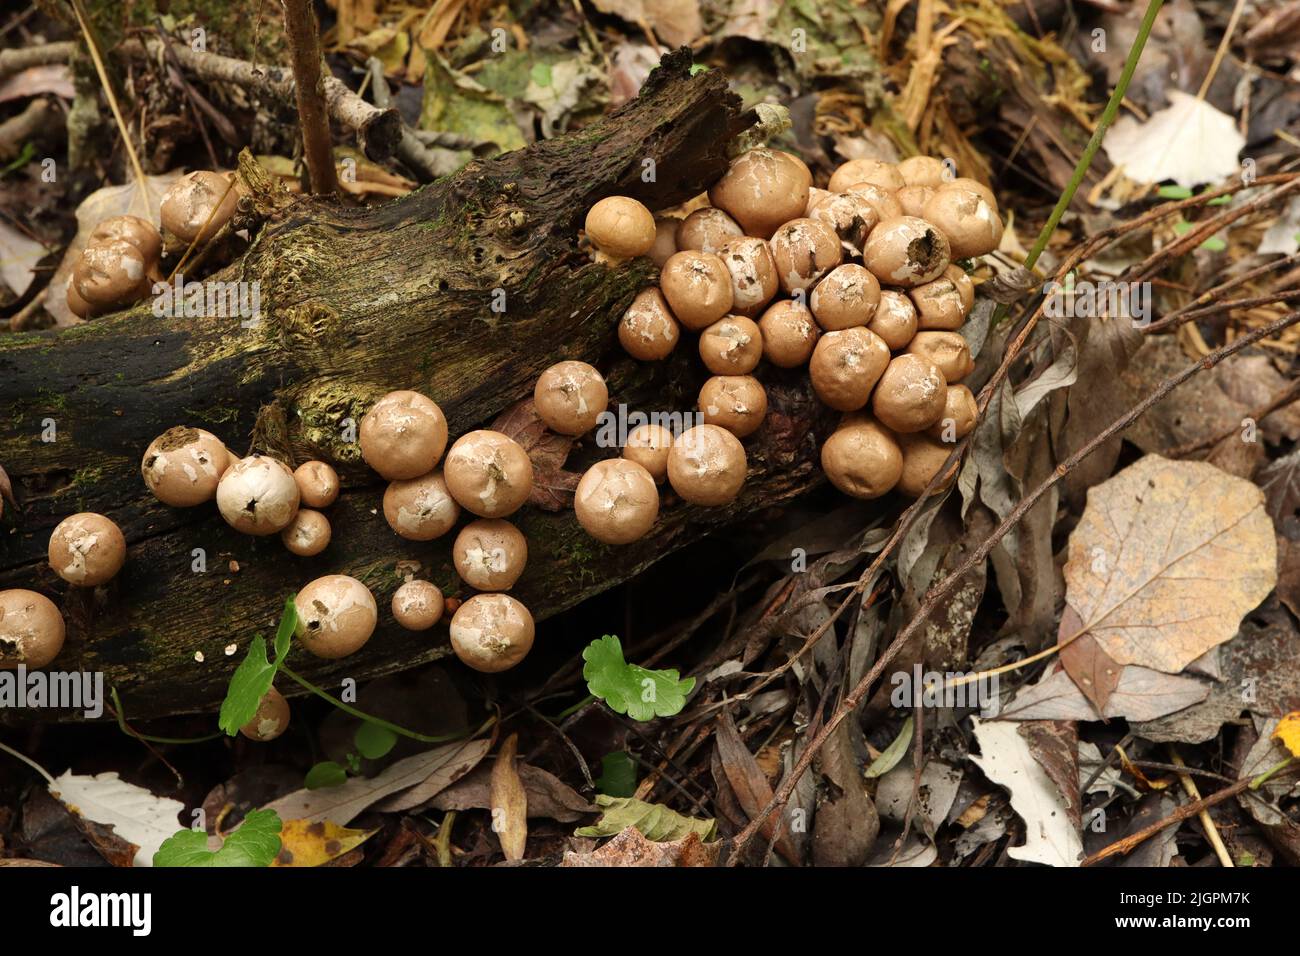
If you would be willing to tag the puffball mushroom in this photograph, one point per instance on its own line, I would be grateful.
(183, 466)
(906, 251)
(912, 200)
(308, 534)
(815, 196)
(570, 397)
(804, 250)
(336, 616)
(949, 352)
(648, 331)
(845, 367)
(403, 435)
(665, 243)
(910, 395)
(489, 474)
(789, 334)
(110, 274)
(420, 509)
(707, 229)
(967, 218)
(79, 306)
(883, 201)
(861, 458)
(850, 215)
(736, 402)
(922, 459)
(418, 605)
(731, 346)
(271, 719)
(87, 549)
(753, 275)
(707, 465)
(318, 484)
(874, 171)
(895, 319)
(139, 232)
(648, 445)
(491, 632)
(621, 226)
(31, 629)
(198, 205)
(923, 171)
(697, 286)
(490, 554)
(257, 495)
(616, 501)
(960, 412)
(761, 189)
(939, 304)
(846, 298)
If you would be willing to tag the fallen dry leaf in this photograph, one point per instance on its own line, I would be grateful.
(304, 844)
(749, 784)
(509, 802)
(553, 487)
(1142, 694)
(548, 796)
(631, 848)
(1288, 732)
(1189, 142)
(1093, 670)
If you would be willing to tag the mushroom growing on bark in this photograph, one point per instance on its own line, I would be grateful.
(490, 554)
(403, 435)
(257, 495)
(31, 629)
(336, 615)
(489, 474)
(616, 501)
(183, 466)
(87, 549)
(491, 632)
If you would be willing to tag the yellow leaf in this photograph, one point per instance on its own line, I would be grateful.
(303, 843)
(1288, 732)
(509, 802)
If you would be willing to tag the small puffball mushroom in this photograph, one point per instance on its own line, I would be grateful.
(308, 534)
(139, 232)
(761, 189)
(883, 201)
(697, 286)
(731, 346)
(861, 458)
(707, 229)
(707, 465)
(648, 445)
(403, 435)
(665, 243)
(906, 251)
(851, 215)
(964, 285)
(79, 306)
(804, 250)
(489, 474)
(874, 171)
(31, 629)
(845, 367)
(110, 274)
(418, 605)
(753, 274)
(183, 465)
(789, 334)
(966, 217)
(570, 397)
(648, 330)
(491, 632)
(87, 549)
(912, 199)
(939, 304)
(271, 719)
(846, 298)
(490, 554)
(420, 509)
(318, 484)
(188, 206)
(620, 226)
(616, 501)
(960, 412)
(923, 171)
(815, 196)
(257, 495)
(336, 616)
(910, 395)
(949, 352)
(965, 182)
(922, 459)
(895, 319)
(736, 402)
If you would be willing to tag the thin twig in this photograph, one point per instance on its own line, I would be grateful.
(309, 89)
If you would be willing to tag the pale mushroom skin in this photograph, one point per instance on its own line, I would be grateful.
(967, 218)
(697, 286)
(862, 458)
(87, 549)
(940, 305)
(336, 616)
(111, 273)
(736, 402)
(490, 554)
(648, 330)
(895, 319)
(318, 484)
(815, 196)
(923, 171)
(790, 334)
(31, 629)
(489, 474)
(922, 459)
(707, 466)
(874, 171)
(139, 232)
(621, 226)
(648, 445)
(183, 466)
(308, 534)
(753, 275)
(912, 200)
(906, 251)
(189, 203)
(403, 435)
(845, 367)
(804, 250)
(491, 632)
(271, 719)
(949, 352)
(420, 509)
(257, 495)
(731, 346)
(761, 189)
(616, 501)
(850, 215)
(883, 201)
(707, 229)
(847, 298)
(570, 397)
(910, 396)
(960, 413)
(418, 605)
(79, 306)
(665, 243)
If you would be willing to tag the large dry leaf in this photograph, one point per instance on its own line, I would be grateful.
(1168, 557)
(1189, 142)
(509, 802)
(632, 848)
(135, 814)
(1142, 694)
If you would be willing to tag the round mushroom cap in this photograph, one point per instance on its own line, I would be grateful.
(815, 196)
(697, 286)
(789, 334)
(621, 226)
(665, 243)
(648, 445)
(731, 346)
(570, 397)
(183, 466)
(403, 435)
(79, 306)
(420, 509)
(949, 352)
(895, 319)
(318, 484)
(271, 719)
(707, 229)
(960, 413)
(490, 554)
(874, 171)
(964, 284)
(846, 298)
(761, 189)
(336, 616)
(922, 459)
(966, 217)
(202, 202)
(939, 304)
(923, 171)
(616, 501)
(753, 274)
(648, 331)
(736, 402)
(111, 273)
(910, 395)
(861, 458)
(906, 251)
(883, 201)
(912, 200)
(804, 250)
(418, 605)
(707, 465)
(87, 549)
(308, 534)
(965, 182)
(491, 632)
(489, 474)
(139, 232)
(851, 215)
(257, 495)
(31, 629)
(845, 367)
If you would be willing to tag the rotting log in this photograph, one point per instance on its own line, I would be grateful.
(357, 302)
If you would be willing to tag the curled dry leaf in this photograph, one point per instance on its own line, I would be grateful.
(509, 802)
